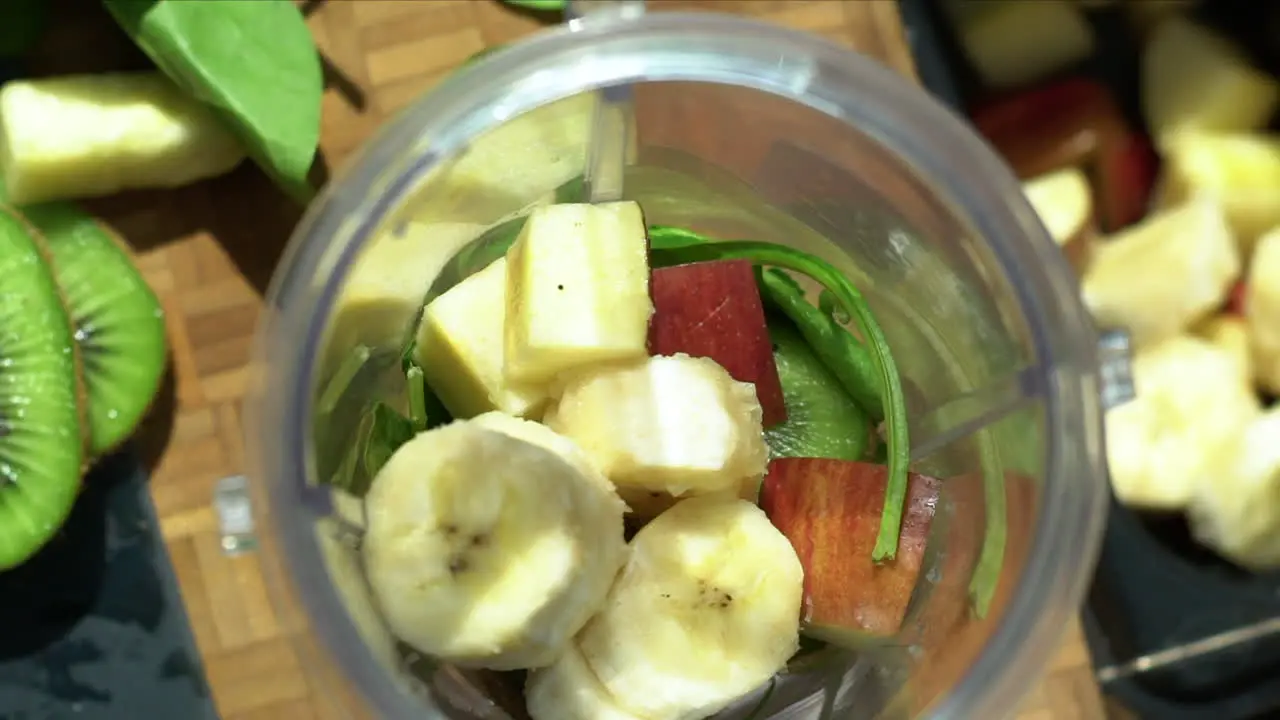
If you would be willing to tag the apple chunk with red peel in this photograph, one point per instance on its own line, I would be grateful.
(830, 511)
(713, 310)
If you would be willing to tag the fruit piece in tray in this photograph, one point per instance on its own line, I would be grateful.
(706, 610)
(1013, 42)
(1229, 332)
(460, 349)
(830, 511)
(384, 289)
(1237, 513)
(1240, 171)
(1262, 310)
(1192, 400)
(577, 290)
(569, 690)
(1194, 79)
(713, 310)
(1159, 277)
(674, 425)
(1074, 123)
(487, 550)
(94, 135)
(1064, 202)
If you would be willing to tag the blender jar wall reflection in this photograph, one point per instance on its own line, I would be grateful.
(744, 130)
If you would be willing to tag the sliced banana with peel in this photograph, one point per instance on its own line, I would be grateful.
(490, 543)
(706, 610)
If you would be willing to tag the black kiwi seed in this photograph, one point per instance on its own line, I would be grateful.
(42, 444)
(119, 326)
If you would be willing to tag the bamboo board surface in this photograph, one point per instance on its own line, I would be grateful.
(209, 251)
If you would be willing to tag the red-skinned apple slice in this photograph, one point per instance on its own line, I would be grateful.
(713, 310)
(1074, 122)
(830, 511)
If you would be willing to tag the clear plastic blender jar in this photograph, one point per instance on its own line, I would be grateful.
(742, 130)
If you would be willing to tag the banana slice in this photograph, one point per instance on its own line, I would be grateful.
(486, 550)
(1262, 310)
(568, 690)
(706, 610)
(1159, 277)
(1237, 511)
(1192, 400)
(673, 425)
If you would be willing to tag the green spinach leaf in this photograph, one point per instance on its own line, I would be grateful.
(540, 5)
(253, 61)
(381, 432)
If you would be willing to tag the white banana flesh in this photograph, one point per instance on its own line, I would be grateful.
(1159, 277)
(577, 290)
(486, 550)
(94, 135)
(1262, 310)
(569, 690)
(1236, 511)
(1192, 400)
(706, 610)
(673, 425)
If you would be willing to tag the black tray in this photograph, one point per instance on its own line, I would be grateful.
(94, 626)
(1175, 632)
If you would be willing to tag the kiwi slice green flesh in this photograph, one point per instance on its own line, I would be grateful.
(41, 441)
(119, 325)
(822, 420)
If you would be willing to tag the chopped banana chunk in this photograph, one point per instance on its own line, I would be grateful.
(1262, 310)
(1191, 401)
(577, 290)
(1231, 334)
(1236, 511)
(460, 349)
(668, 425)
(1194, 79)
(94, 135)
(1241, 172)
(1159, 277)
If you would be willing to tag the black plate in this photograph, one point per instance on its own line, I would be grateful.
(93, 626)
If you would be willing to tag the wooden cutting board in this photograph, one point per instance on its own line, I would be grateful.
(209, 251)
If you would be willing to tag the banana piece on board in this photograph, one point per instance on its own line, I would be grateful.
(706, 610)
(1236, 511)
(486, 550)
(674, 425)
(94, 135)
(569, 690)
(1162, 275)
(1192, 400)
(1262, 310)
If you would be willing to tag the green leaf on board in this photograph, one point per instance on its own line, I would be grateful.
(253, 61)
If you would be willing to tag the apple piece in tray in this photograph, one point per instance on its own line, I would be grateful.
(577, 290)
(830, 511)
(1074, 123)
(664, 426)
(1230, 333)
(713, 310)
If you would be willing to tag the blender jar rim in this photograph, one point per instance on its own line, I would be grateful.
(717, 49)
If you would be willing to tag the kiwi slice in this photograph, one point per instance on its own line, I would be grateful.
(822, 420)
(119, 325)
(41, 418)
